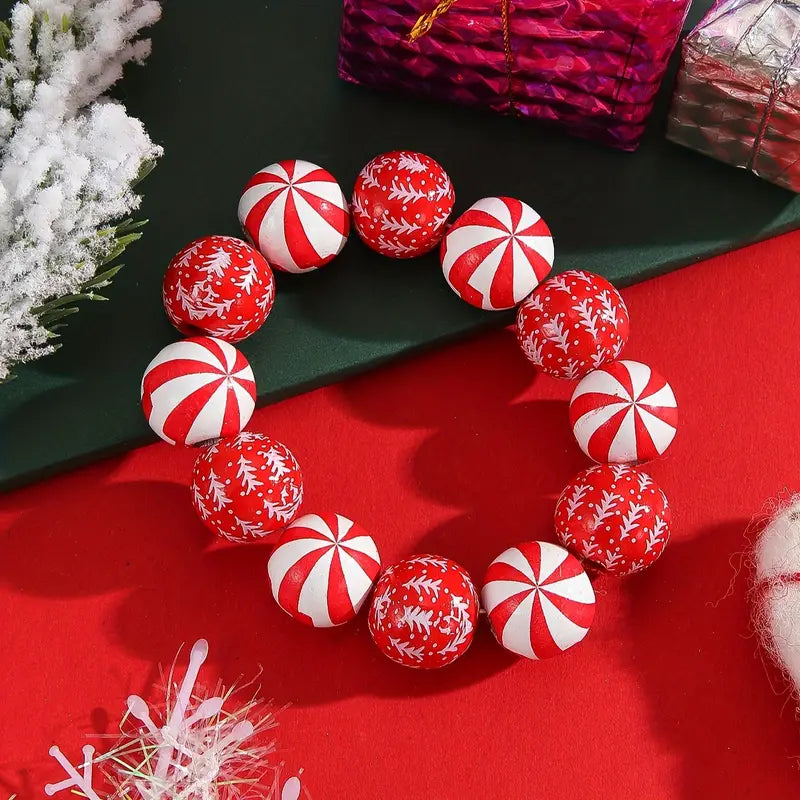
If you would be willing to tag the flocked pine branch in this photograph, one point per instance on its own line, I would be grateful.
(605, 508)
(411, 162)
(619, 471)
(570, 370)
(586, 317)
(655, 537)
(380, 605)
(534, 303)
(599, 357)
(396, 248)
(70, 159)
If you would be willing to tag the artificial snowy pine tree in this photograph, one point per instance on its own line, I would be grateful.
(69, 161)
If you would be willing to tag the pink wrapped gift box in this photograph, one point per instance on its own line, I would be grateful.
(737, 97)
(591, 66)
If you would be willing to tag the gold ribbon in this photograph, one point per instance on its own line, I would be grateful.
(425, 22)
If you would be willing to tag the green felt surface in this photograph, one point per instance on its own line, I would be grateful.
(232, 87)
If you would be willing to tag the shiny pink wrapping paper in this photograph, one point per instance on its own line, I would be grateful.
(737, 97)
(591, 66)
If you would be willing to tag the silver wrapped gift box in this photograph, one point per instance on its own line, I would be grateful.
(737, 96)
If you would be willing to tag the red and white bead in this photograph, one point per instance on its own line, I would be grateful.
(615, 517)
(219, 286)
(623, 413)
(572, 323)
(401, 202)
(323, 569)
(247, 488)
(539, 599)
(424, 612)
(197, 390)
(496, 252)
(296, 215)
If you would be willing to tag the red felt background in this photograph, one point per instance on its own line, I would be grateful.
(104, 572)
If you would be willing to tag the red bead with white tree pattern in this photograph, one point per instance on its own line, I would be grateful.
(615, 517)
(572, 323)
(401, 203)
(219, 286)
(424, 612)
(247, 488)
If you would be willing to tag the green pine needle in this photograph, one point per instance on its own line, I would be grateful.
(119, 247)
(146, 168)
(121, 236)
(129, 225)
(5, 35)
(49, 317)
(101, 279)
(59, 301)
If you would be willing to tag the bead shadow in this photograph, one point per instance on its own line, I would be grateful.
(499, 456)
(21, 785)
(177, 584)
(680, 642)
(100, 537)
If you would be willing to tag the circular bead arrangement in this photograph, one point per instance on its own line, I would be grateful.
(537, 596)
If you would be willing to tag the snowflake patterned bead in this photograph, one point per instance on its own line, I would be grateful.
(496, 252)
(198, 390)
(401, 202)
(296, 214)
(423, 612)
(539, 600)
(615, 517)
(573, 323)
(623, 413)
(323, 569)
(219, 286)
(247, 488)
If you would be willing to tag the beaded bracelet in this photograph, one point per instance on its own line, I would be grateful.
(423, 611)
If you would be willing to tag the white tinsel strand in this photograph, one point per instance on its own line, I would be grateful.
(192, 745)
(777, 588)
(68, 155)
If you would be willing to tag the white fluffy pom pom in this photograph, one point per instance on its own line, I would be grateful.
(777, 588)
